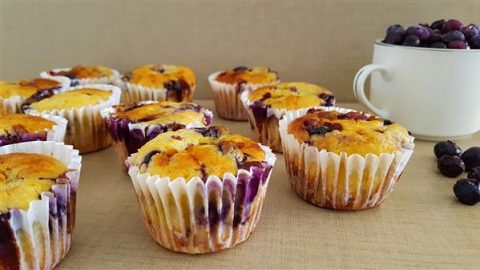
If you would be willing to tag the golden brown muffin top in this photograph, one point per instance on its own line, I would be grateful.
(84, 72)
(24, 176)
(23, 123)
(162, 112)
(26, 88)
(293, 95)
(73, 99)
(351, 132)
(256, 75)
(160, 76)
(188, 153)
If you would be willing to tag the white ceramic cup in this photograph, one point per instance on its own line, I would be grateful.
(434, 93)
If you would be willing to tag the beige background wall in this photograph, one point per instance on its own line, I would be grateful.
(324, 42)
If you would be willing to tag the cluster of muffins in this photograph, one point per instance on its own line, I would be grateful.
(200, 188)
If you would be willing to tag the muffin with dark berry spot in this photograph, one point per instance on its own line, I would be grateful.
(228, 85)
(132, 125)
(159, 83)
(38, 185)
(201, 190)
(343, 159)
(81, 106)
(17, 128)
(14, 93)
(82, 75)
(267, 105)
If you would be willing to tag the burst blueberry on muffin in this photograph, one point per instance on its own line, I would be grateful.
(218, 181)
(132, 125)
(14, 93)
(16, 128)
(37, 209)
(81, 106)
(343, 159)
(228, 85)
(159, 82)
(82, 75)
(267, 105)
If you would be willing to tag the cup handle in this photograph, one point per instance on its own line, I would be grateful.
(359, 83)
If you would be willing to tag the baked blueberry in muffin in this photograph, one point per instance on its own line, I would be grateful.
(14, 93)
(81, 106)
(132, 125)
(81, 75)
(343, 159)
(38, 183)
(160, 82)
(228, 85)
(15, 128)
(267, 105)
(209, 187)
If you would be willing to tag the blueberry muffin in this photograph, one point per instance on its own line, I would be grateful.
(228, 85)
(81, 106)
(38, 181)
(14, 93)
(343, 159)
(267, 105)
(82, 75)
(132, 125)
(16, 128)
(201, 190)
(159, 82)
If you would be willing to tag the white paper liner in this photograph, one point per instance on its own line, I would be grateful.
(135, 93)
(227, 97)
(13, 104)
(86, 130)
(339, 181)
(143, 128)
(43, 233)
(74, 82)
(171, 208)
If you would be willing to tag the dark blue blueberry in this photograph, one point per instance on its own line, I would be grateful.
(420, 31)
(471, 157)
(453, 36)
(474, 42)
(446, 148)
(438, 24)
(329, 99)
(148, 157)
(470, 31)
(411, 41)
(467, 191)
(451, 166)
(474, 173)
(240, 68)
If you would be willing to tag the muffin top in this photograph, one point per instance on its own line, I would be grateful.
(24, 176)
(293, 95)
(73, 99)
(23, 123)
(188, 153)
(162, 76)
(26, 88)
(351, 132)
(84, 72)
(256, 75)
(162, 112)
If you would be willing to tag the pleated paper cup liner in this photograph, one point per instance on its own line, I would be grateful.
(13, 104)
(40, 237)
(340, 181)
(56, 133)
(86, 130)
(77, 82)
(227, 97)
(132, 93)
(198, 216)
(128, 137)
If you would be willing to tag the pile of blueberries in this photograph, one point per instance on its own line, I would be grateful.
(452, 162)
(451, 34)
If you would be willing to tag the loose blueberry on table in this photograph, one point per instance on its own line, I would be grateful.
(451, 34)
